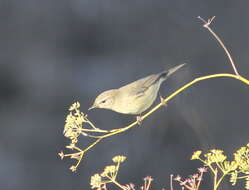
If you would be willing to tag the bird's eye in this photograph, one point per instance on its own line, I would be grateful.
(104, 101)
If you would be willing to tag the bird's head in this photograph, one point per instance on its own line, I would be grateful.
(105, 100)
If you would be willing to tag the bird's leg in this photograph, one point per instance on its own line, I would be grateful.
(162, 100)
(139, 119)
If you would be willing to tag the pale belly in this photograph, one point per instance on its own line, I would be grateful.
(137, 105)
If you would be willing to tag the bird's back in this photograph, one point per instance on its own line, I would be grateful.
(140, 86)
(138, 96)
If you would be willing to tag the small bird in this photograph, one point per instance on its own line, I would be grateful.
(136, 97)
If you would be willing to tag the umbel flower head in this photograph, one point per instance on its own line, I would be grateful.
(108, 175)
(215, 156)
(109, 171)
(193, 181)
(74, 123)
(217, 162)
(196, 155)
(118, 159)
(241, 156)
(96, 181)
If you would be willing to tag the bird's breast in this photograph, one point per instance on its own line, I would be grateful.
(135, 104)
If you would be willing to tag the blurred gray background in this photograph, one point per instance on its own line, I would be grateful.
(56, 52)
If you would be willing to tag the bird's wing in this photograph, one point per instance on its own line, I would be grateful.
(137, 88)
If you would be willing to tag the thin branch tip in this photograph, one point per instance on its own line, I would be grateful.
(206, 23)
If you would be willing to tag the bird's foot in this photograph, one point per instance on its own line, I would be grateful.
(162, 101)
(139, 120)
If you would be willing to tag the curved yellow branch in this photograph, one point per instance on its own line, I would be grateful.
(174, 94)
(170, 97)
(167, 99)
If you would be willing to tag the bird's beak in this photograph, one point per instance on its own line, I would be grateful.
(93, 107)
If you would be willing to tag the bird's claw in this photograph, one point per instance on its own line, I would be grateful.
(162, 101)
(139, 120)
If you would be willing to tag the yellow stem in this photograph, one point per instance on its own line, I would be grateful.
(215, 179)
(167, 99)
(193, 82)
(115, 176)
(243, 177)
(220, 180)
(219, 75)
(92, 145)
(220, 167)
(95, 130)
(116, 183)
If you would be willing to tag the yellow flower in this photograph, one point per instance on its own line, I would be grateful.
(215, 156)
(230, 166)
(61, 154)
(70, 118)
(96, 181)
(118, 159)
(71, 146)
(74, 106)
(76, 156)
(79, 120)
(109, 171)
(241, 156)
(196, 155)
(234, 177)
(73, 168)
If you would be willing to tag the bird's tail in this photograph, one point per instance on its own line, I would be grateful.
(165, 74)
(174, 69)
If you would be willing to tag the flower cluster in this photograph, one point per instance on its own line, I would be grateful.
(194, 181)
(241, 158)
(100, 180)
(238, 168)
(74, 123)
(77, 124)
(108, 175)
(213, 156)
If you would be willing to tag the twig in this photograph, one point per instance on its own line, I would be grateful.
(116, 183)
(207, 25)
(171, 182)
(167, 99)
